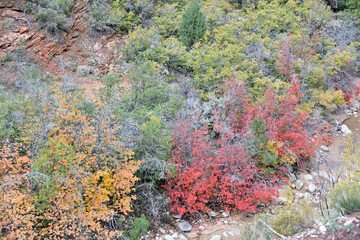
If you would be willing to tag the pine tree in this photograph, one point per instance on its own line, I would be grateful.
(193, 25)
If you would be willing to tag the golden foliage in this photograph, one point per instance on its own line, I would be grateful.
(78, 182)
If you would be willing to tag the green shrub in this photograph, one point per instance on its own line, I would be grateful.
(345, 197)
(52, 21)
(316, 78)
(51, 15)
(167, 19)
(63, 4)
(133, 12)
(353, 5)
(193, 25)
(291, 219)
(139, 227)
(102, 18)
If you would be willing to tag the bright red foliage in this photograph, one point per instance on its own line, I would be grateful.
(213, 172)
(219, 171)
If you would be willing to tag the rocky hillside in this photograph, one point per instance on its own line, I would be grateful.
(78, 54)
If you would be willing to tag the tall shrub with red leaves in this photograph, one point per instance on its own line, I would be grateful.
(212, 172)
(219, 170)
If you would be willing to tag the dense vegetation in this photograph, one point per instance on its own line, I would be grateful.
(224, 96)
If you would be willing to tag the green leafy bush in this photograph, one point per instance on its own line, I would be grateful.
(51, 15)
(63, 4)
(133, 12)
(293, 218)
(345, 197)
(193, 25)
(352, 5)
(52, 21)
(139, 227)
(102, 18)
(317, 78)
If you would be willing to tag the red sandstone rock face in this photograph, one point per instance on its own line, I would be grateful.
(20, 30)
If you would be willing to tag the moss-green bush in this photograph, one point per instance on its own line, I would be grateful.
(102, 18)
(51, 15)
(52, 21)
(133, 12)
(193, 25)
(345, 197)
(291, 219)
(316, 78)
(139, 227)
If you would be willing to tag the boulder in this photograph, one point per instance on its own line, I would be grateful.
(324, 148)
(185, 226)
(225, 214)
(215, 237)
(308, 177)
(212, 214)
(280, 200)
(299, 184)
(345, 130)
(311, 188)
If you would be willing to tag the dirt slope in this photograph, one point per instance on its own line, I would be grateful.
(96, 54)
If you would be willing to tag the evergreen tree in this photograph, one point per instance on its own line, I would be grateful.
(193, 25)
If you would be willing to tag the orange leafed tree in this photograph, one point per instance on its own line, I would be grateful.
(76, 185)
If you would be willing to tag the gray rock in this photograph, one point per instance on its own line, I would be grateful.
(324, 148)
(212, 214)
(185, 226)
(201, 228)
(292, 177)
(345, 130)
(311, 188)
(225, 214)
(162, 230)
(168, 237)
(299, 184)
(324, 175)
(280, 200)
(289, 168)
(299, 195)
(84, 71)
(308, 177)
(348, 111)
(215, 237)
(176, 216)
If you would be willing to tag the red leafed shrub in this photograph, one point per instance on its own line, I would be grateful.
(213, 165)
(209, 173)
(292, 130)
